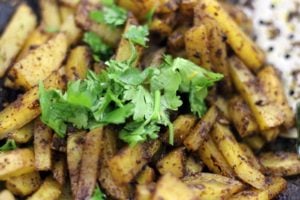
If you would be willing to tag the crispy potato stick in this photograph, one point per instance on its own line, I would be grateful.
(280, 163)
(212, 186)
(129, 161)
(236, 158)
(25, 184)
(173, 163)
(71, 30)
(15, 35)
(26, 107)
(264, 111)
(88, 173)
(22, 135)
(49, 190)
(196, 46)
(272, 84)
(75, 143)
(39, 63)
(42, 146)
(78, 63)
(242, 45)
(213, 158)
(242, 117)
(105, 177)
(201, 130)
(16, 162)
(65, 12)
(251, 157)
(252, 194)
(169, 187)
(59, 169)
(50, 15)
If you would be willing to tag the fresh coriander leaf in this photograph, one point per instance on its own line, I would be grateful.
(100, 50)
(110, 14)
(10, 144)
(98, 194)
(137, 34)
(149, 15)
(108, 2)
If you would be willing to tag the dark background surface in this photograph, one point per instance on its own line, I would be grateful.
(292, 192)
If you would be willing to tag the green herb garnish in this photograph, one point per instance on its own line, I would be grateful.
(100, 50)
(137, 34)
(10, 144)
(98, 194)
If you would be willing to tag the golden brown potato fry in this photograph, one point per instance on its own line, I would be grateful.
(109, 35)
(7, 195)
(182, 127)
(50, 15)
(275, 185)
(33, 41)
(75, 143)
(222, 105)
(124, 50)
(173, 163)
(196, 46)
(71, 30)
(22, 135)
(240, 17)
(213, 158)
(25, 184)
(272, 84)
(186, 7)
(129, 161)
(58, 144)
(171, 188)
(251, 157)
(236, 158)
(65, 12)
(242, 45)
(242, 117)
(40, 63)
(280, 163)
(213, 186)
(78, 63)
(26, 107)
(15, 35)
(49, 190)
(193, 166)
(144, 192)
(138, 7)
(146, 176)
(163, 25)
(105, 178)
(201, 130)
(265, 112)
(70, 3)
(255, 142)
(16, 162)
(59, 169)
(42, 146)
(88, 173)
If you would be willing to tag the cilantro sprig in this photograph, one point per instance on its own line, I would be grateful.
(139, 101)
(98, 194)
(110, 14)
(137, 34)
(10, 144)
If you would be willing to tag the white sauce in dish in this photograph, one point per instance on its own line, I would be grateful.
(277, 31)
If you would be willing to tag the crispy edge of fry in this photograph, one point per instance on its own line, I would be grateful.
(236, 158)
(201, 130)
(89, 164)
(15, 35)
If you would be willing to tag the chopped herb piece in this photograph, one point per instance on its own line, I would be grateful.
(10, 144)
(137, 34)
(98, 194)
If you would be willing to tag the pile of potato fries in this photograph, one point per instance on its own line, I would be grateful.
(219, 156)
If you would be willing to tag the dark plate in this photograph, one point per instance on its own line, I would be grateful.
(292, 192)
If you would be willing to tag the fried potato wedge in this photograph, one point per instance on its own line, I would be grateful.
(280, 163)
(22, 135)
(49, 190)
(236, 157)
(16, 162)
(255, 142)
(213, 186)
(193, 166)
(15, 35)
(50, 15)
(25, 184)
(146, 176)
